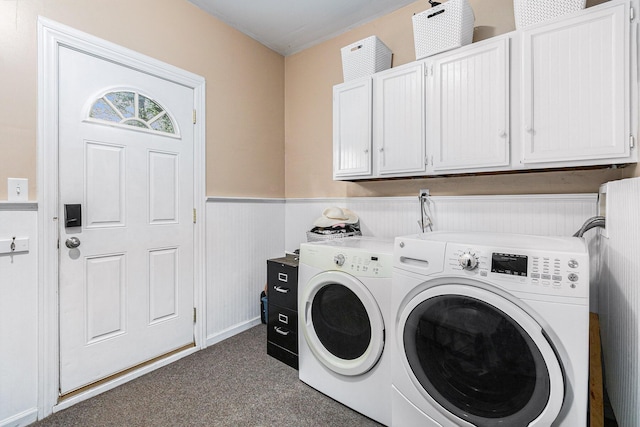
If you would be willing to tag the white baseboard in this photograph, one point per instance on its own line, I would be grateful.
(227, 333)
(22, 419)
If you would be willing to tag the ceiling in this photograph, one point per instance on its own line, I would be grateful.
(289, 26)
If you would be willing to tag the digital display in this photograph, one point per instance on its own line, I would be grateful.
(515, 265)
(374, 258)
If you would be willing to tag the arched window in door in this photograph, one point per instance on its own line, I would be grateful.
(129, 108)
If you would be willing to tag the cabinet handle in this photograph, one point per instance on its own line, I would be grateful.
(503, 134)
(283, 277)
(283, 318)
(281, 289)
(530, 131)
(281, 331)
(381, 149)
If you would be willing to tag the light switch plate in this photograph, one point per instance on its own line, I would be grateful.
(18, 189)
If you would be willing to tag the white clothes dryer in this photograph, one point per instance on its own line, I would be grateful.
(490, 330)
(344, 302)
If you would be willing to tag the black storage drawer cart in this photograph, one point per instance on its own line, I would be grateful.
(282, 313)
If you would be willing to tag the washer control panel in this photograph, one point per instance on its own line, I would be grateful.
(525, 270)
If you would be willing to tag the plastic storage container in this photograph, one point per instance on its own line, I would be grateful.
(443, 27)
(529, 12)
(365, 57)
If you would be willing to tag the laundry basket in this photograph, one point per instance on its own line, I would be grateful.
(529, 12)
(443, 27)
(315, 237)
(365, 57)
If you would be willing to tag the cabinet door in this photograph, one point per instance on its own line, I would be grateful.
(576, 88)
(399, 121)
(468, 114)
(352, 129)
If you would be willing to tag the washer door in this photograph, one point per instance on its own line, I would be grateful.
(342, 323)
(480, 357)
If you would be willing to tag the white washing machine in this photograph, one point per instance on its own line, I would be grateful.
(490, 330)
(344, 302)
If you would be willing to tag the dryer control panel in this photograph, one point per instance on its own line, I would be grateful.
(360, 262)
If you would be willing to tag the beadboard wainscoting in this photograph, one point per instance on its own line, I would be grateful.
(241, 235)
(19, 317)
(619, 307)
(388, 217)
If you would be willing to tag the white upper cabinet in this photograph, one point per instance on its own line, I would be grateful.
(559, 94)
(468, 108)
(398, 119)
(576, 88)
(352, 129)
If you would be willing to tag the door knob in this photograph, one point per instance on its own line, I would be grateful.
(72, 242)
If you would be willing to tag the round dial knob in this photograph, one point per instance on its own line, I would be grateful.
(468, 261)
(339, 259)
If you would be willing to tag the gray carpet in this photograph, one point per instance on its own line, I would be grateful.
(232, 383)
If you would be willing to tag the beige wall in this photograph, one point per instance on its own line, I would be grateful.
(310, 76)
(632, 171)
(245, 84)
(269, 119)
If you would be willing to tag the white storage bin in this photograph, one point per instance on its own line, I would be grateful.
(365, 57)
(443, 27)
(529, 12)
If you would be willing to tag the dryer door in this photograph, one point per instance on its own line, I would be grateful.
(480, 358)
(341, 322)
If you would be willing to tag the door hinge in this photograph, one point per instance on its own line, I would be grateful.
(194, 117)
(194, 315)
(632, 141)
(426, 160)
(194, 215)
(428, 70)
(631, 13)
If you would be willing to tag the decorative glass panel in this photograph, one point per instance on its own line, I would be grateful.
(132, 109)
(147, 108)
(163, 124)
(123, 101)
(102, 110)
(136, 123)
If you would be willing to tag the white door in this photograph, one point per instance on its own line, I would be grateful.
(352, 129)
(399, 121)
(126, 157)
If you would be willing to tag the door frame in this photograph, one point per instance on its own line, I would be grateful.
(51, 36)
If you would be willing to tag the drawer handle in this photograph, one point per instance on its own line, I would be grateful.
(283, 277)
(283, 318)
(281, 289)
(282, 331)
